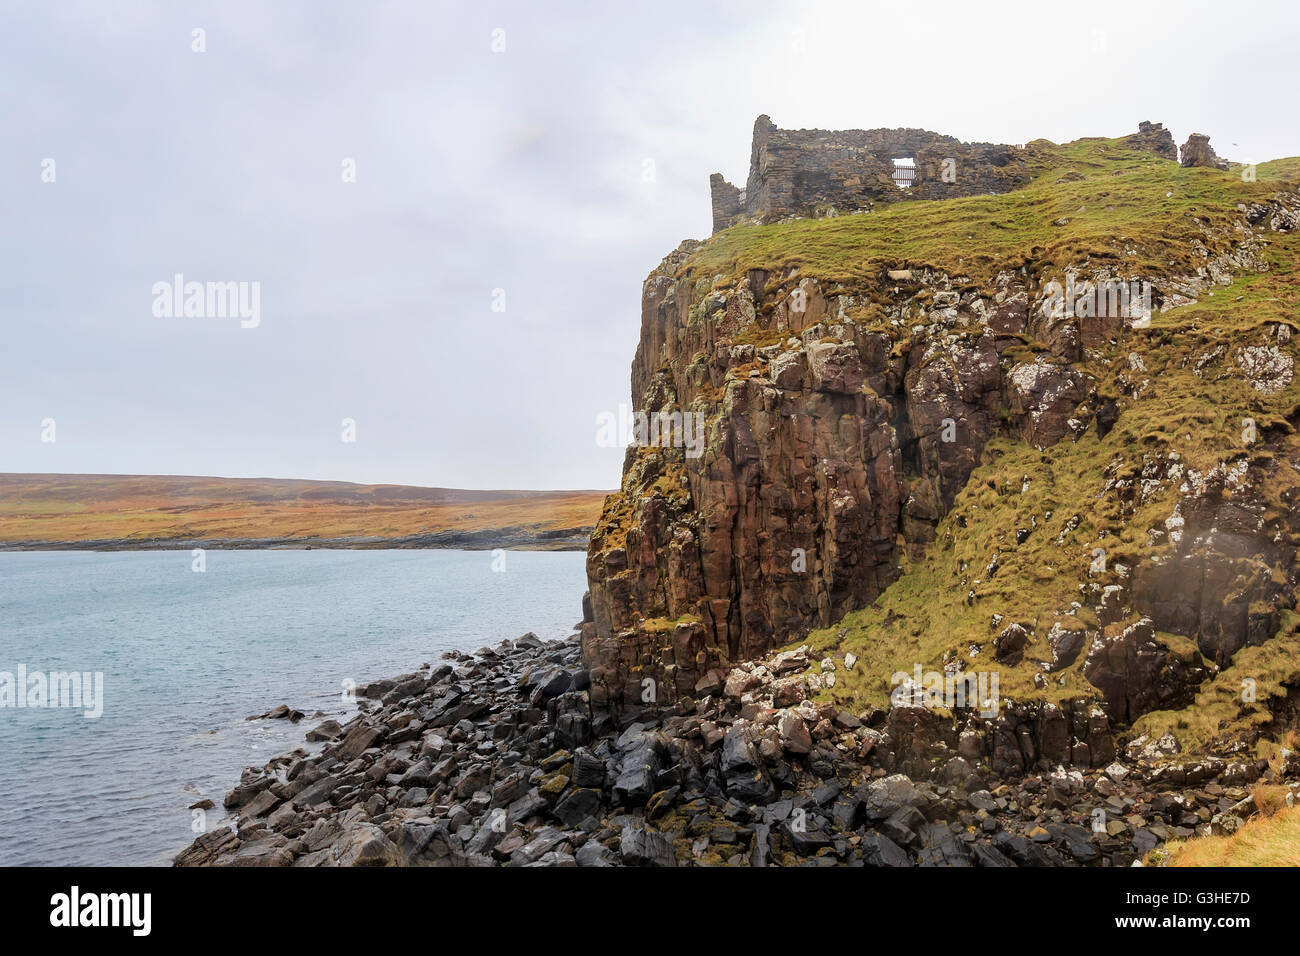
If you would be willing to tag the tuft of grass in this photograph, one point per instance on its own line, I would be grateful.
(1276, 750)
(1272, 840)
(1269, 798)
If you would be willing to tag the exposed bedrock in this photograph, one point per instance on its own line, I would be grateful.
(1232, 565)
(829, 445)
(1197, 151)
(836, 427)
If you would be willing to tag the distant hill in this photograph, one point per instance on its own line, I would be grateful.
(115, 512)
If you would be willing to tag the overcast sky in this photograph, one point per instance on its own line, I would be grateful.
(523, 170)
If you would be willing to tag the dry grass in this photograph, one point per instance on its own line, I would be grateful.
(1272, 840)
(1269, 798)
(1277, 750)
(87, 508)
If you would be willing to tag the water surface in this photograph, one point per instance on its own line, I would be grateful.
(186, 656)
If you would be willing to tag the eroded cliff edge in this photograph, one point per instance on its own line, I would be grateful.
(1132, 526)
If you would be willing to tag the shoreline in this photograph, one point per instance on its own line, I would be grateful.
(497, 758)
(564, 539)
(270, 627)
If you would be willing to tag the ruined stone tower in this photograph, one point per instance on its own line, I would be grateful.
(818, 173)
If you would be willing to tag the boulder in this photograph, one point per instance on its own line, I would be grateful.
(1198, 152)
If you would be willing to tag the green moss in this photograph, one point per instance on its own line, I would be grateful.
(1077, 497)
(1238, 703)
(759, 337)
(1126, 206)
(554, 784)
(663, 625)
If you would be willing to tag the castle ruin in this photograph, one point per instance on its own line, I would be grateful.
(813, 172)
(818, 173)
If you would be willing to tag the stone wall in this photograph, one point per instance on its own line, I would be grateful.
(821, 173)
(728, 202)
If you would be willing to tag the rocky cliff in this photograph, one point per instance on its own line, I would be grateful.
(977, 548)
(1049, 433)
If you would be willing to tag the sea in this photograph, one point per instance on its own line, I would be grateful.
(189, 647)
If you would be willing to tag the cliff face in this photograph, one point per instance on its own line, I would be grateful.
(791, 515)
(828, 452)
(850, 385)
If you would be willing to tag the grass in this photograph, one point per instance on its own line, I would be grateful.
(1222, 712)
(1126, 208)
(1183, 400)
(84, 508)
(1270, 798)
(1268, 839)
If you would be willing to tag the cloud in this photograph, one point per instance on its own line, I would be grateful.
(524, 171)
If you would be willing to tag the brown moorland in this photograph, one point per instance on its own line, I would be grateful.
(47, 511)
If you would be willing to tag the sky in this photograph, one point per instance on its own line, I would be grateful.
(447, 209)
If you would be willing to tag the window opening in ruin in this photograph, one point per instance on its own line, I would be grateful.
(904, 171)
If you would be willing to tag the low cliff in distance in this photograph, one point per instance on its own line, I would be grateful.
(1047, 434)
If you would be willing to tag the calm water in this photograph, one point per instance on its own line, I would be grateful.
(187, 656)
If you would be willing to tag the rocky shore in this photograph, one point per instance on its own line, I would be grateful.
(498, 758)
